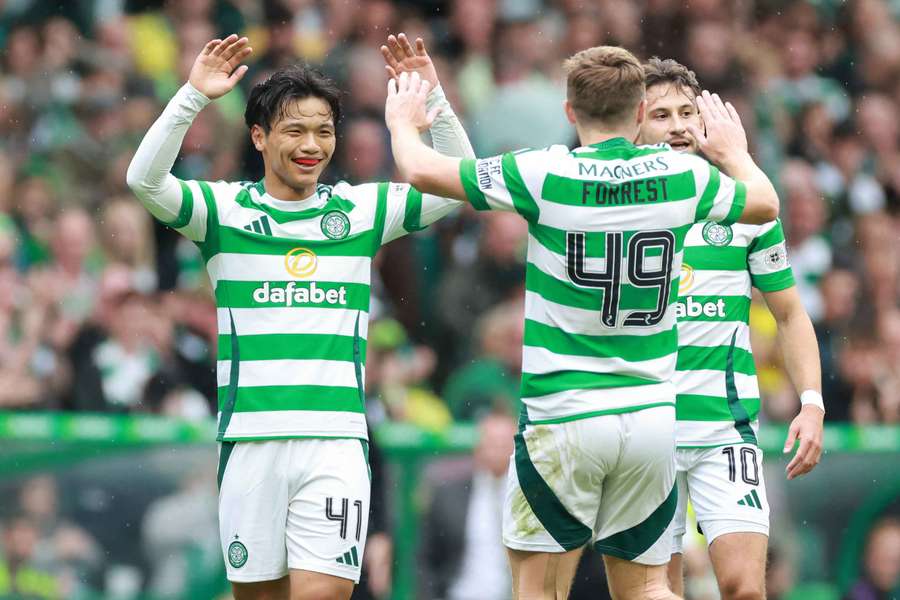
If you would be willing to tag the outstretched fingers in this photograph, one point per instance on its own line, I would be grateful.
(236, 60)
(395, 49)
(218, 50)
(732, 111)
(391, 62)
(235, 48)
(210, 46)
(407, 48)
(423, 88)
(420, 47)
(238, 74)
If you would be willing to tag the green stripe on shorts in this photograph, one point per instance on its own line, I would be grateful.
(633, 542)
(569, 532)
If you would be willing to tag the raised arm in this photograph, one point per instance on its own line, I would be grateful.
(448, 137)
(215, 72)
(725, 143)
(447, 134)
(406, 117)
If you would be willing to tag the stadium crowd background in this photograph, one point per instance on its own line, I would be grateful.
(104, 310)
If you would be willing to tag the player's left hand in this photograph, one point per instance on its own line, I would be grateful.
(405, 103)
(724, 140)
(401, 57)
(806, 427)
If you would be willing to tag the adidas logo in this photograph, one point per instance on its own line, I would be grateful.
(260, 225)
(350, 558)
(752, 500)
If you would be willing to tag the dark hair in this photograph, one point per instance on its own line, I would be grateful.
(269, 99)
(671, 71)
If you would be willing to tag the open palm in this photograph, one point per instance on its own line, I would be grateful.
(218, 67)
(401, 57)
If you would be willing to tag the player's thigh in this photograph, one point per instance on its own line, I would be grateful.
(739, 562)
(310, 585)
(728, 491)
(328, 513)
(635, 522)
(279, 589)
(679, 522)
(634, 581)
(253, 507)
(542, 575)
(675, 574)
(555, 484)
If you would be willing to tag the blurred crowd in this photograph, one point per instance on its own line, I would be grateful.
(103, 309)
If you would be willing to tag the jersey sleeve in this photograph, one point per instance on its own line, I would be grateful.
(501, 182)
(408, 210)
(767, 259)
(173, 202)
(722, 198)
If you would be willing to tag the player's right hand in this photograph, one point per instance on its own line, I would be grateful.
(724, 140)
(218, 68)
(405, 104)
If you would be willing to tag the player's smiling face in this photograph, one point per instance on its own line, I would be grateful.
(670, 109)
(299, 145)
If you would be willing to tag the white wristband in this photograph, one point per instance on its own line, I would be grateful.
(812, 397)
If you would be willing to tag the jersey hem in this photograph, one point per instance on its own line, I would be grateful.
(351, 573)
(296, 436)
(738, 442)
(598, 413)
(255, 578)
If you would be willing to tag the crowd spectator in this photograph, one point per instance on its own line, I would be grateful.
(462, 554)
(881, 563)
(81, 85)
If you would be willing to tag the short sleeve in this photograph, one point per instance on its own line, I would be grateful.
(191, 220)
(499, 182)
(408, 210)
(767, 259)
(723, 198)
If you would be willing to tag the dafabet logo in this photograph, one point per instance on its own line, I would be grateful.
(300, 263)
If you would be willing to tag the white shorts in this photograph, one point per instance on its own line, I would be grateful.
(607, 480)
(726, 487)
(293, 504)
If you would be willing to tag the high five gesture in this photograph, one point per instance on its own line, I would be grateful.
(218, 68)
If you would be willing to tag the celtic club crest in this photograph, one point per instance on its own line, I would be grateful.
(335, 225)
(237, 555)
(716, 234)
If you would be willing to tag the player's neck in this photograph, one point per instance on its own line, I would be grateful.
(280, 191)
(596, 135)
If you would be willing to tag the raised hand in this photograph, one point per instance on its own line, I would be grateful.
(405, 105)
(218, 68)
(400, 57)
(724, 140)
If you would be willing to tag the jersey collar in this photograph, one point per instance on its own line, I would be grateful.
(616, 142)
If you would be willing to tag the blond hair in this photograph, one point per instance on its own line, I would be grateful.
(604, 83)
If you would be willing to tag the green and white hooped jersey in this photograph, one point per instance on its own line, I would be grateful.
(291, 282)
(606, 228)
(718, 394)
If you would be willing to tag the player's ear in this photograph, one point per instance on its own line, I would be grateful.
(641, 112)
(258, 136)
(570, 112)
